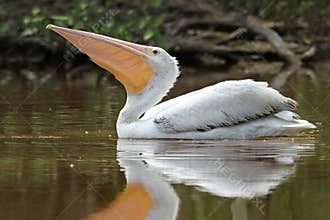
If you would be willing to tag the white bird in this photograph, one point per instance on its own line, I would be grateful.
(228, 110)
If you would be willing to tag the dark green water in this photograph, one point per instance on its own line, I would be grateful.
(60, 159)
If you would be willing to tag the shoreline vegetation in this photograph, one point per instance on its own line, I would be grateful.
(280, 38)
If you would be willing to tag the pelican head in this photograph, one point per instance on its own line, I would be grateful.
(136, 66)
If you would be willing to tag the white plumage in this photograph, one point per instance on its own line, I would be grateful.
(227, 110)
(224, 104)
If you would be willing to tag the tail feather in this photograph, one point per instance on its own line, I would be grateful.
(296, 122)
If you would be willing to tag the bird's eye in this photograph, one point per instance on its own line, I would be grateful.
(155, 51)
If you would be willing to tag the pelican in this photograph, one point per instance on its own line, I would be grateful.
(240, 109)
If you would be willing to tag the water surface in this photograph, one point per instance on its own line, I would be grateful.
(60, 159)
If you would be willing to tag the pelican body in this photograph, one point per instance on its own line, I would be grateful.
(240, 109)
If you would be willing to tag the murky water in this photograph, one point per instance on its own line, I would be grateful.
(60, 159)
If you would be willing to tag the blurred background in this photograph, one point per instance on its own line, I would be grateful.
(237, 37)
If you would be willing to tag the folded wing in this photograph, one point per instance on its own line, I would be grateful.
(224, 104)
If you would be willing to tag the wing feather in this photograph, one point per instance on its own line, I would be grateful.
(224, 104)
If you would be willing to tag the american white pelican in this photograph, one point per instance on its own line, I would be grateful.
(232, 109)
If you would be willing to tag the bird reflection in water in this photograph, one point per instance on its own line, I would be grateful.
(230, 169)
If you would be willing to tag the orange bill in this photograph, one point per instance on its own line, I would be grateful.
(126, 61)
(132, 204)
